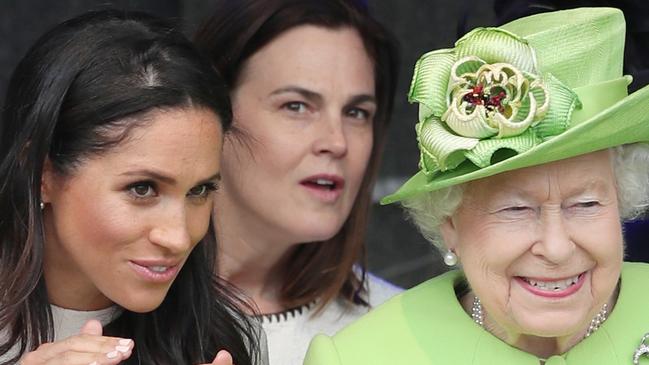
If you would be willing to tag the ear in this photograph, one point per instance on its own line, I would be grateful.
(47, 181)
(449, 234)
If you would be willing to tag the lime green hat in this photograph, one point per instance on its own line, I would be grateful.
(539, 89)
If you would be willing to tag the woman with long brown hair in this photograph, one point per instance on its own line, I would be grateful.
(312, 84)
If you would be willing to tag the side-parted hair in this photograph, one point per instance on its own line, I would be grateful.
(240, 28)
(77, 93)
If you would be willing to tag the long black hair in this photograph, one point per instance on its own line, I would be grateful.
(88, 76)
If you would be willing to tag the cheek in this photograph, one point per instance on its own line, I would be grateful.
(600, 237)
(488, 252)
(198, 220)
(102, 224)
(494, 243)
(360, 151)
(487, 261)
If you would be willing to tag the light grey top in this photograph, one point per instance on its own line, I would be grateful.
(68, 322)
(290, 332)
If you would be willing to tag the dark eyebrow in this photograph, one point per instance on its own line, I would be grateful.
(314, 96)
(307, 94)
(216, 177)
(152, 174)
(358, 99)
(164, 178)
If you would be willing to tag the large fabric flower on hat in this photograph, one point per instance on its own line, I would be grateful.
(493, 99)
(484, 100)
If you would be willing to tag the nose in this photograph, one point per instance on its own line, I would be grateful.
(171, 231)
(555, 243)
(331, 138)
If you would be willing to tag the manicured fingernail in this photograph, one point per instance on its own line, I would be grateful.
(112, 354)
(124, 342)
(122, 349)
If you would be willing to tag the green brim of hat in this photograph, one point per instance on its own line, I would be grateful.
(625, 122)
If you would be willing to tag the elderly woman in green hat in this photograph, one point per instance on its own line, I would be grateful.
(532, 154)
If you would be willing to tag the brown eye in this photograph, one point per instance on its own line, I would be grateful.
(295, 107)
(358, 113)
(201, 191)
(142, 190)
(198, 190)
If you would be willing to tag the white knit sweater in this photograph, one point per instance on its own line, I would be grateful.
(290, 332)
(68, 323)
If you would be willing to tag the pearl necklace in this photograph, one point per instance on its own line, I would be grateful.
(478, 317)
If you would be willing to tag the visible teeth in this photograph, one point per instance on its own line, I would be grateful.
(324, 182)
(553, 285)
(158, 268)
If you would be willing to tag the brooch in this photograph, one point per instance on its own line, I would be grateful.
(643, 349)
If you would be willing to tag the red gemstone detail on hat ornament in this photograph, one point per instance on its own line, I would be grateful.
(491, 102)
(495, 101)
(476, 96)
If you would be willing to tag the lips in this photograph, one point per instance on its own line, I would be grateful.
(324, 187)
(553, 288)
(326, 182)
(157, 271)
(556, 285)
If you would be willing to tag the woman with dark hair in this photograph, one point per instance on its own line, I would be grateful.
(312, 84)
(110, 141)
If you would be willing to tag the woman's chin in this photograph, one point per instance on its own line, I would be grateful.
(141, 307)
(141, 302)
(316, 230)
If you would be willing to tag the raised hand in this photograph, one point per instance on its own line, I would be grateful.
(222, 358)
(88, 347)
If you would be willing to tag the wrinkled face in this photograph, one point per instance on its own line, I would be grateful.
(542, 246)
(121, 225)
(305, 103)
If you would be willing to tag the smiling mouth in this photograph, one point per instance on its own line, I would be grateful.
(158, 269)
(553, 286)
(155, 273)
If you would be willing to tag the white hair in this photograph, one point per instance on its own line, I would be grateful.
(630, 165)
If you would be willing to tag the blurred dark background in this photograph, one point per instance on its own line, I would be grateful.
(396, 251)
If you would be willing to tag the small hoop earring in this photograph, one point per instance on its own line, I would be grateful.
(42, 205)
(450, 258)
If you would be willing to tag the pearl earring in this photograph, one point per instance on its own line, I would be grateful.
(42, 205)
(450, 258)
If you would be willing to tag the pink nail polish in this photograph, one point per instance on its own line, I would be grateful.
(124, 342)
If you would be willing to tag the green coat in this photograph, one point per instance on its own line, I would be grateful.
(426, 325)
